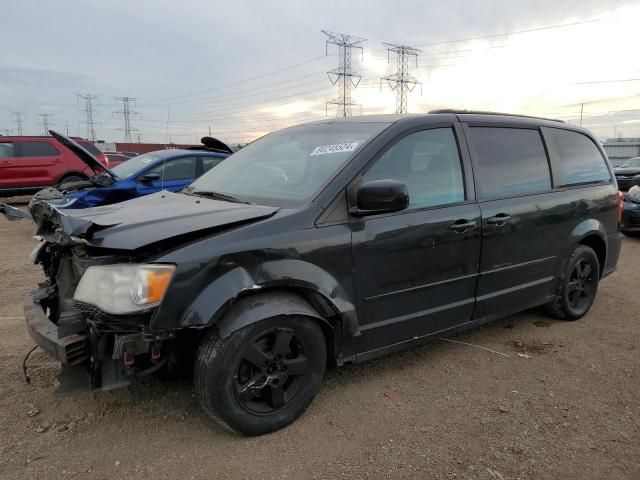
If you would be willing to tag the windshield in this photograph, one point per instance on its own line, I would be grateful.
(288, 167)
(135, 164)
(631, 163)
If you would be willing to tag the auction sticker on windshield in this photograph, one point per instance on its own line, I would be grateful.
(335, 148)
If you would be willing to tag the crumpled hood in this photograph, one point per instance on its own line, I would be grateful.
(143, 221)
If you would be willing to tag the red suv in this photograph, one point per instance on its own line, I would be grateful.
(29, 163)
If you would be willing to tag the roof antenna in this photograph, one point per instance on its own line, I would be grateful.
(166, 141)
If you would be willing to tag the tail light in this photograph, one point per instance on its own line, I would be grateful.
(620, 206)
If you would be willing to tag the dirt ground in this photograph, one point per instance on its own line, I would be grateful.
(563, 402)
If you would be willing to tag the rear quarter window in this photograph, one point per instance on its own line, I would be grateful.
(509, 162)
(37, 149)
(578, 159)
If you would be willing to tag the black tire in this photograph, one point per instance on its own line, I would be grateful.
(258, 396)
(578, 285)
(71, 179)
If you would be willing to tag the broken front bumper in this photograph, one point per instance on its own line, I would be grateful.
(69, 350)
(71, 344)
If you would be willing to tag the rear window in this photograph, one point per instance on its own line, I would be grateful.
(37, 149)
(579, 160)
(6, 150)
(510, 162)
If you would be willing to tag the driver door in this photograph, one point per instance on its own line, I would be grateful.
(416, 270)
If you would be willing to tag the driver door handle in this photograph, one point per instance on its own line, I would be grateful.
(499, 220)
(461, 226)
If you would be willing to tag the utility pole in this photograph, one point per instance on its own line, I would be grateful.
(209, 129)
(88, 113)
(18, 116)
(139, 137)
(45, 122)
(402, 81)
(343, 76)
(126, 116)
(66, 127)
(581, 110)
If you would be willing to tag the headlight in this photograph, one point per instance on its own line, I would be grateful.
(634, 194)
(124, 288)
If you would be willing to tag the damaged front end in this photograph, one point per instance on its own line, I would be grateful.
(97, 350)
(104, 284)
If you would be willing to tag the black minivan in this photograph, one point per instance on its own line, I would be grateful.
(326, 244)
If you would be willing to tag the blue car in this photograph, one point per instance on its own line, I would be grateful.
(170, 170)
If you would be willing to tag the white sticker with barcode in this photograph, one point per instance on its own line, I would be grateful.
(335, 148)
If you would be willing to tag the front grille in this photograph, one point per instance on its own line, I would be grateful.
(106, 323)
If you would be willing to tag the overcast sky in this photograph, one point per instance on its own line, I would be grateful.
(214, 62)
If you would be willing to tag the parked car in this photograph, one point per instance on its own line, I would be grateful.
(168, 170)
(28, 164)
(631, 213)
(628, 173)
(326, 244)
(130, 154)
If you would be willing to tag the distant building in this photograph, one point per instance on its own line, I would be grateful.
(139, 147)
(619, 149)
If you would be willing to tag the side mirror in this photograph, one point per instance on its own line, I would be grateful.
(149, 177)
(380, 196)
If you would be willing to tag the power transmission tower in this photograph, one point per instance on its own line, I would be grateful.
(139, 137)
(126, 116)
(88, 113)
(45, 122)
(18, 116)
(401, 81)
(343, 76)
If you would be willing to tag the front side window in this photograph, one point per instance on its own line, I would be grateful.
(428, 163)
(6, 150)
(510, 162)
(288, 167)
(579, 159)
(209, 162)
(177, 169)
(37, 149)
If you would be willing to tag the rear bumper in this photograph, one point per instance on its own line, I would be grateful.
(69, 350)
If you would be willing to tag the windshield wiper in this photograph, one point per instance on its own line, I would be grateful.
(215, 196)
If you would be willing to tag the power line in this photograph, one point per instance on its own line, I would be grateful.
(88, 112)
(343, 76)
(45, 122)
(18, 116)
(240, 82)
(402, 81)
(126, 113)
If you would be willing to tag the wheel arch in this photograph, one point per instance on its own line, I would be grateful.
(592, 234)
(598, 245)
(252, 307)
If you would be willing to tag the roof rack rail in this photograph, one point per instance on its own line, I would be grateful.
(481, 112)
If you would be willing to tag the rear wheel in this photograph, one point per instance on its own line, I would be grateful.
(262, 377)
(71, 178)
(578, 286)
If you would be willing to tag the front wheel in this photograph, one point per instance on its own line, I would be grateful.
(263, 376)
(578, 285)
